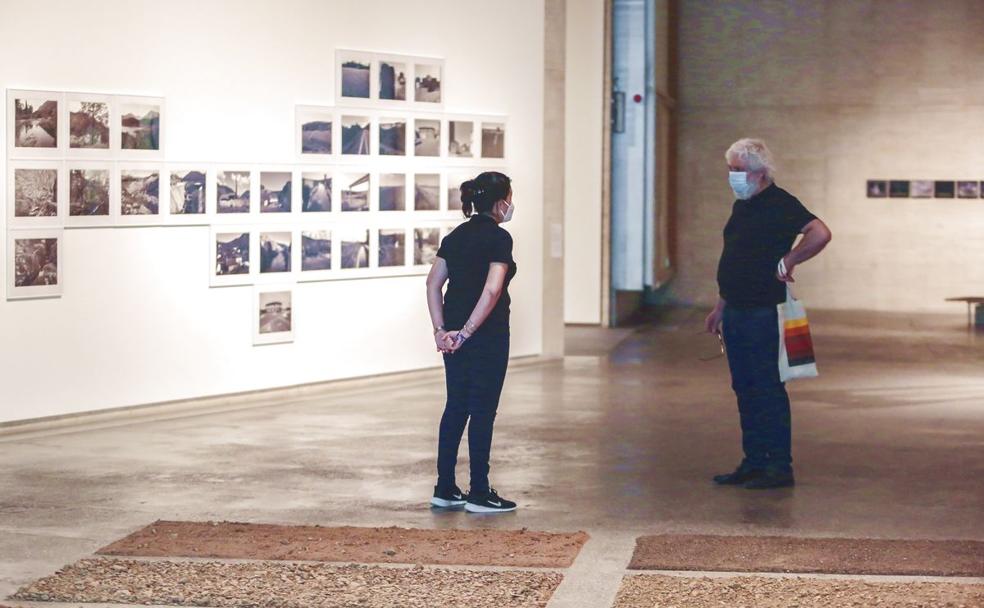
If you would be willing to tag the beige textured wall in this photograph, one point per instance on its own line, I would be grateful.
(843, 91)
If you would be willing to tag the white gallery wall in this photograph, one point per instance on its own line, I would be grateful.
(138, 322)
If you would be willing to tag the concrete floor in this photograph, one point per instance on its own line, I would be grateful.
(620, 438)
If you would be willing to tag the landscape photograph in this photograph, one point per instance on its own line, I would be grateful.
(355, 192)
(188, 192)
(355, 248)
(426, 242)
(392, 247)
(141, 126)
(460, 133)
(355, 78)
(139, 192)
(88, 125)
(275, 191)
(968, 189)
(427, 192)
(274, 317)
(315, 192)
(393, 137)
(921, 188)
(426, 137)
(316, 134)
(35, 192)
(35, 262)
(232, 191)
(88, 192)
(427, 83)
(275, 251)
(392, 192)
(231, 253)
(355, 135)
(35, 122)
(315, 250)
(493, 140)
(392, 81)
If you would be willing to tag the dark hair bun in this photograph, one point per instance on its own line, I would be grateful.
(479, 195)
(470, 191)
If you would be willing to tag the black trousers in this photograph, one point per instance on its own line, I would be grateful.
(474, 377)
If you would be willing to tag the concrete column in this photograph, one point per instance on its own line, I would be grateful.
(554, 53)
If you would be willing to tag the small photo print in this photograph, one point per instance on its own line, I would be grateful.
(454, 190)
(392, 81)
(943, 189)
(35, 268)
(315, 250)
(393, 137)
(921, 188)
(231, 253)
(316, 134)
(877, 188)
(426, 242)
(460, 133)
(493, 140)
(969, 189)
(88, 192)
(427, 137)
(355, 248)
(140, 192)
(427, 83)
(427, 192)
(274, 322)
(275, 191)
(392, 247)
(35, 192)
(232, 192)
(275, 252)
(392, 192)
(355, 78)
(88, 125)
(141, 125)
(355, 192)
(35, 121)
(188, 192)
(355, 135)
(898, 189)
(315, 192)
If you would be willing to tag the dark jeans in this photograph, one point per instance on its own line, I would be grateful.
(751, 338)
(474, 379)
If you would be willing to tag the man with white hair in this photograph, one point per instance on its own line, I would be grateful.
(765, 222)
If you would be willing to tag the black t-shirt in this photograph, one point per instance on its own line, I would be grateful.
(468, 251)
(760, 232)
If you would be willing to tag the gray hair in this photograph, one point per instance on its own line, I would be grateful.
(754, 153)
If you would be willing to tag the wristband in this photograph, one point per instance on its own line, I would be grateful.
(438, 328)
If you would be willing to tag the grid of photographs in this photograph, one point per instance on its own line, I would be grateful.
(925, 188)
(369, 78)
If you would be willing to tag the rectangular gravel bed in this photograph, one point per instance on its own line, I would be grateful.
(510, 548)
(649, 591)
(288, 585)
(820, 555)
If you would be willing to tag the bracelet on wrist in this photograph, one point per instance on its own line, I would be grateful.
(438, 328)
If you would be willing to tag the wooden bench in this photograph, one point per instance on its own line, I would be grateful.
(971, 302)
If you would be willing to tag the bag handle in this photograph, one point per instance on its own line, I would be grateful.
(782, 272)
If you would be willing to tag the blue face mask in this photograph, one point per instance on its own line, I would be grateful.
(740, 185)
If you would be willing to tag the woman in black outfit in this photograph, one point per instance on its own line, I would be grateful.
(471, 329)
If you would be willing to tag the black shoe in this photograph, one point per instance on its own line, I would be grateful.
(771, 479)
(740, 476)
(490, 502)
(445, 499)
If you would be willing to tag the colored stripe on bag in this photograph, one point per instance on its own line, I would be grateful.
(795, 323)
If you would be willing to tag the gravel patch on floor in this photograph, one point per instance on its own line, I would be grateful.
(649, 591)
(809, 555)
(288, 585)
(230, 540)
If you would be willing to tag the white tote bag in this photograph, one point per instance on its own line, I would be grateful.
(796, 358)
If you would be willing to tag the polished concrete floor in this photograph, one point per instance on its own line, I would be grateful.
(620, 437)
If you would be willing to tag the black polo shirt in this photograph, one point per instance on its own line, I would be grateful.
(468, 251)
(760, 232)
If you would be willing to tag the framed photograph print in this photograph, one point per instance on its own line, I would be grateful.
(140, 121)
(35, 193)
(455, 179)
(353, 76)
(426, 192)
(92, 188)
(275, 255)
(427, 82)
(393, 78)
(943, 189)
(968, 189)
(276, 192)
(493, 140)
(921, 188)
(356, 139)
(317, 191)
(392, 137)
(354, 247)
(34, 124)
(426, 242)
(877, 188)
(316, 254)
(315, 132)
(354, 191)
(187, 197)
(391, 249)
(232, 259)
(273, 315)
(427, 137)
(392, 191)
(139, 188)
(233, 192)
(461, 138)
(90, 125)
(898, 189)
(35, 268)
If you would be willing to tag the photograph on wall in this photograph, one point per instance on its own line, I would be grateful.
(426, 242)
(393, 136)
(188, 189)
(454, 189)
(877, 188)
(392, 247)
(355, 247)
(968, 189)
(273, 320)
(315, 192)
(315, 250)
(232, 253)
(392, 80)
(88, 192)
(35, 269)
(275, 191)
(426, 137)
(460, 134)
(141, 126)
(898, 189)
(427, 83)
(355, 72)
(427, 192)
(921, 188)
(355, 192)
(392, 192)
(35, 123)
(316, 130)
(88, 124)
(232, 192)
(35, 192)
(139, 192)
(943, 189)
(355, 135)
(275, 252)
(493, 140)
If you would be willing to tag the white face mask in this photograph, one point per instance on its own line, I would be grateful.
(740, 185)
(508, 214)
